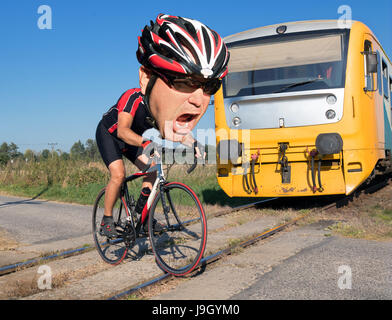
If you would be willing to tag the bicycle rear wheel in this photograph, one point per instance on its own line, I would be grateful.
(112, 251)
(179, 247)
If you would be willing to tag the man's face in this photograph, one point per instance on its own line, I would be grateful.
(176, 112)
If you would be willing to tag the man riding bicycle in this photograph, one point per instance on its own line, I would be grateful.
(183, 64)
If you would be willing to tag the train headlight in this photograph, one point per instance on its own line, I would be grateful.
(236, 121)
(331, 99)
(330, 114)
(234, 108)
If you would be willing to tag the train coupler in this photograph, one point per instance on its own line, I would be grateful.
(313, 154)
(285, 167)
(251, 184)
(254, 158)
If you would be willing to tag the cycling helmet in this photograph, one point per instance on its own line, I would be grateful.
(181, 46)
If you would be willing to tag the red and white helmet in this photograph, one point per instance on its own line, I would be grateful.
(177, 45)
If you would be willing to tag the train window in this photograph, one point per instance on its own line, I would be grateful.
(296, 62)
(369, 77)
(385, 79)
(390, 88)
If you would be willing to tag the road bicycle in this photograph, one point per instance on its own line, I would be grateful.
(179, 244)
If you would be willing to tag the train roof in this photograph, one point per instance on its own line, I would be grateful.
(297, 26)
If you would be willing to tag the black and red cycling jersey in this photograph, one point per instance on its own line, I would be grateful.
(131, 101)
(110, 146)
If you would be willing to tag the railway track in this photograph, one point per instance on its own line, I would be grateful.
(262, 236)
(76, 251)
(212, 257)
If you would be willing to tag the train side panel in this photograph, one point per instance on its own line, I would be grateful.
(361, 151)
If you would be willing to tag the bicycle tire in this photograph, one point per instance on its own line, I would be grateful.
(178, 249)
(111, 251)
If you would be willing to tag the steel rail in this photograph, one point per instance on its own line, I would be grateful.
(32, 262)
(213, 257)
(72, 252)
(252, 240)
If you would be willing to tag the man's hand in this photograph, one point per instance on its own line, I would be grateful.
(199, 150)
(150, 149)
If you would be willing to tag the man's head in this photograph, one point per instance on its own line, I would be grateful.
(183, 63)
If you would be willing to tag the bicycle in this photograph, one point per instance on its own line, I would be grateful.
(179, 246)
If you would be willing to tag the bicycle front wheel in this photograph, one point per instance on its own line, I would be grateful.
(177, 229)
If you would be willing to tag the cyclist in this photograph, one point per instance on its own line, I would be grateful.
(182, 64)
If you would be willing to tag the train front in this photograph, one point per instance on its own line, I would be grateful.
(279, 116)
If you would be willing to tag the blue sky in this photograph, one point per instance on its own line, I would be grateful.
(56, 84)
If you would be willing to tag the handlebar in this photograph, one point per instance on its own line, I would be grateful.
(192, 167)
(157, 156)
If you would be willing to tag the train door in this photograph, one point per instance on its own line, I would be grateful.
(390, 90)
(373, 108)
(386, 104)
(370, 83)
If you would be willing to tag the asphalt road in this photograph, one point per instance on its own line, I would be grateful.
(34, 221)
(335, 268)
(303, 264)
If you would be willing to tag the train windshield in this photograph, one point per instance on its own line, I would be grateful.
(287, 63)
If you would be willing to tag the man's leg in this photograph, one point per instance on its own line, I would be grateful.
(117, 175)
(112, 191)
(149, 179)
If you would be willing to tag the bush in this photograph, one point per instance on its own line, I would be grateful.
(85, 176)
(52, 171)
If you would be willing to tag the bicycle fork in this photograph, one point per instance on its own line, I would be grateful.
(165, 208)
(179, 225)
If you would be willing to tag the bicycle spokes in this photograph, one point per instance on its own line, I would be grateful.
(180, 246)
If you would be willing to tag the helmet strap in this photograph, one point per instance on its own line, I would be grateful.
(150, 119)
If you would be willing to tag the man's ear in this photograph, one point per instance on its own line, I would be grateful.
(144, 78)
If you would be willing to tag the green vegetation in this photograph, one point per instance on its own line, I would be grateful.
(371, 221)
(8, 152)
(79, 151)
(54, 179)
(55, 175)
(78, 176)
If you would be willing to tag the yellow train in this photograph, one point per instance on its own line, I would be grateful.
(305, 110)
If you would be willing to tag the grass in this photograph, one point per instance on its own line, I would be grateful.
(382, 214)
(77, 181)
(348, 230)
(54, 179)
(371, 220)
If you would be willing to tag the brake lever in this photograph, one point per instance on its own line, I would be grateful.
(195, 163)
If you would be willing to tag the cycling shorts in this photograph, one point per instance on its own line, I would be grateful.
(112, 148)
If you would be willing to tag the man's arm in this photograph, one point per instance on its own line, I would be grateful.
(124, 131)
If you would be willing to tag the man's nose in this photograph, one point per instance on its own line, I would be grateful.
(196, 98)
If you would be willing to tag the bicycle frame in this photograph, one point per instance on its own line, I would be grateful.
(125, 193)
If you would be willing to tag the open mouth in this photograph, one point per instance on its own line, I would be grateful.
(184, 123)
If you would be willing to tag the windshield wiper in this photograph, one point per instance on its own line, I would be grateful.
(297, 84)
